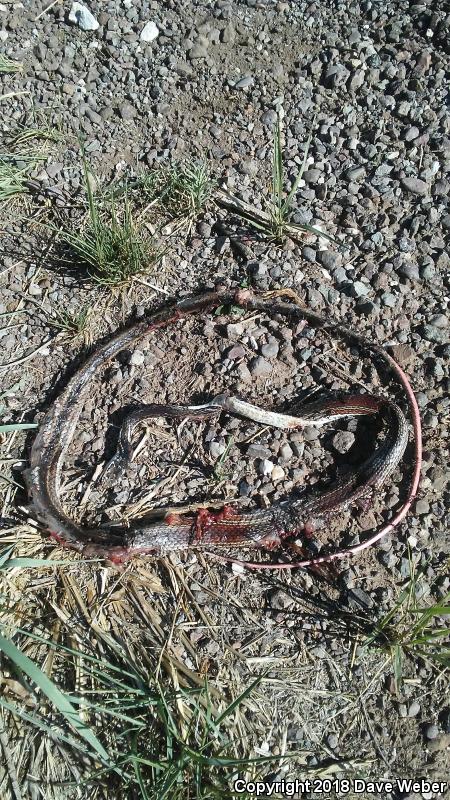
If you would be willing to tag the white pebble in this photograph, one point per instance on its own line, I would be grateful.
(83, 17)
(277, 473)
(149, 32)
(137, 358)
(266, 466)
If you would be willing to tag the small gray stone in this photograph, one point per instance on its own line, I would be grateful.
(280, 600)
(439, 321)
(410, 271)
(329, 259)
(309, 254)
(310, 433)
(434, 334)
(269, 117)
(411, 134)
(361, 597)
(389, 300)
(312, 175)
(415, 185)
(414, 709)
(127, 111)
(422, 508)
(355, 173)
(216, 449)
(270, 350)
(359, 289)
(286, 452)
(258, 451)
(235, 352)
(277, 473)
(34, 290)
(245, 82)
(431, 732)
(332, 741)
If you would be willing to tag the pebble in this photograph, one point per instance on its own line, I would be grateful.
(414, 709)
(127, 112)
(355, 173)
(216, 449)
(286, 452)
(245, 82)
(270, 350)
(235, 352)
(269, 117)
(410, 271)
(257, 451)
(359, 289)
(280, 600)
(415, 185)
(431, 732)
(137, 358)
(265, 467)
(343, 441)
(312, 175)
(412, 133)
(149, 32)
(439, 321)
(332, 741)
(82, 17)
(277, 473)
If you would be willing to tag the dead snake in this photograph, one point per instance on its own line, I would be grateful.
(262, 529)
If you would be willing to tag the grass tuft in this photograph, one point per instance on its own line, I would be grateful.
(181, 191)
(110, 245)
(274, 221)
(8, 65)
(133, 733)
(26, 148)
(414, 630)
(72, 323)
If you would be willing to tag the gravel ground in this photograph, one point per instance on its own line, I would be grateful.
(148, 83)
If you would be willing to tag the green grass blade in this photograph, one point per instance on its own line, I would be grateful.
(54, 733)
(311, 229)
(56, 697)
(277, 168)
(238, 700)
(290, 196)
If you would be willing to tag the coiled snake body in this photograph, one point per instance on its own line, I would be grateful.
(263, 529)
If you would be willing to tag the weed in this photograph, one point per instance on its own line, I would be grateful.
(112, 248)
(164, 744)
(218, 472)
(181, 191)
(26, 148)
(275, 221)
(8, 65)
(413, 630)
(73, 323)
(12, 180)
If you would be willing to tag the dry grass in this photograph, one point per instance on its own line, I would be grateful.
(157, 678)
